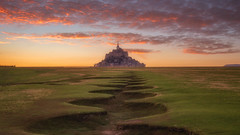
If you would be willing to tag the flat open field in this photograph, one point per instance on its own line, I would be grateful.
(111, 101)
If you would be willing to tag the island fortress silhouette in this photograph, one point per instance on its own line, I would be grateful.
(119, 58)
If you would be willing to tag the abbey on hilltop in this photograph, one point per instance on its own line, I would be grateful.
(119, 58)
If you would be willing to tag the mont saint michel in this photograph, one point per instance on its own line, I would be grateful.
(119, 58)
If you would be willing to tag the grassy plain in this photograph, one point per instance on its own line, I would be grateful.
(203, 101)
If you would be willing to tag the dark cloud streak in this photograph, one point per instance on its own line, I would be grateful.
(126, 38)
(141, 51)
(207, 46)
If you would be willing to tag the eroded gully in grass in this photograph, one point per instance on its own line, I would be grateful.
(117, 110)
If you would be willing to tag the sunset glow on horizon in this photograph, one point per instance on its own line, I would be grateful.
(159, 33)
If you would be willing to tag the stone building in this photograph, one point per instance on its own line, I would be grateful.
(119, 58)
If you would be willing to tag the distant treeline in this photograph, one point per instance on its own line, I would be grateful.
(7, 66)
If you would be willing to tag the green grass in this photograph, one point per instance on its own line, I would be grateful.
(195, 104)
(23, 104)
(203, 100)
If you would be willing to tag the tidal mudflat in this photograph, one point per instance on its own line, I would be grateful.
(114, 101)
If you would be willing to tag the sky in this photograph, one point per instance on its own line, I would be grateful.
(159, 33)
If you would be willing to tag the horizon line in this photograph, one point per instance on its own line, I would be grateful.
(103, 67)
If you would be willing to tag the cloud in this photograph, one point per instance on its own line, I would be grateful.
(49, 36)
(112, 38)
(3, 42)
(195, 50)
(141, 51)
(205, 16)
(133, 38)
(77, 35)
(207, 46)
(190, 45)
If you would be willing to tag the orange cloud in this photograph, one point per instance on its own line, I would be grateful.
(2, 42)
(148, 14)
(68, 36)
(170, 19)
(85, 12)
(157, 17)
(112, 44)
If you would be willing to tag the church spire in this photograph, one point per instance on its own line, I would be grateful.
(118, 45)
